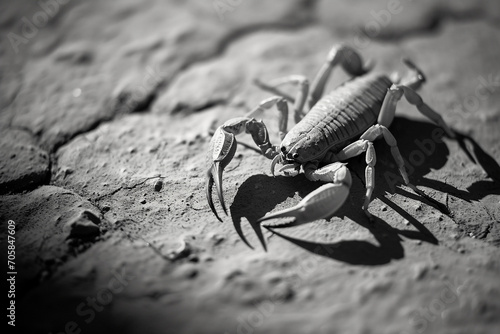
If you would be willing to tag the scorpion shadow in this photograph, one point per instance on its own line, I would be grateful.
(259, 194)
(411, 135)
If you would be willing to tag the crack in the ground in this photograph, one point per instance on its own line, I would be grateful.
(181, 107)
(120, 109)
(135, 185)
(149, 100)
(483, 234)
(11, 188)
(307, 18)
(223, 44)
(146, 103)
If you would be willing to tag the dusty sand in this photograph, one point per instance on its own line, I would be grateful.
(106, 114)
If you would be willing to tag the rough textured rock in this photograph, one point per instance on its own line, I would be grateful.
(24, 164)
(41, 234)
(84, 225)
(124, 96)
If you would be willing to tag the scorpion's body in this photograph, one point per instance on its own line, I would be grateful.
(339, 117)
(340, 125)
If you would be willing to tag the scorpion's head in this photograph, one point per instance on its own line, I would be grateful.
(292, 156)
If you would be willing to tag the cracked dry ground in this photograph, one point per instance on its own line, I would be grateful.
(106, 114)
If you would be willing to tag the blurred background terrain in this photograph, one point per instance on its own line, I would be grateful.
(107, 109)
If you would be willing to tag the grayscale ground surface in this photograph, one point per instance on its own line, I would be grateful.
(101, 100)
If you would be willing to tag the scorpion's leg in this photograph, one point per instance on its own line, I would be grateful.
(414, 98)
(324, 201)
(377, 131)
(348, 58)
(393, 96)
(299, 99)
(415, 78)
(273, 90)
(282, 107)
(223, 145)
(353, 150)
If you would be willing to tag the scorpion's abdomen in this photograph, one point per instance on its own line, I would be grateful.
(344, 113)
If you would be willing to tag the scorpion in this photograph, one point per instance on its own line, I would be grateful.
(339, 126)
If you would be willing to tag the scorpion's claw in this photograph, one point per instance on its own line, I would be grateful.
(290, 169)
(210, 182)
(222, 147)
(277, 159)
(321, 203)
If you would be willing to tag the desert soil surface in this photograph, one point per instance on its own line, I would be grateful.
(107, 110)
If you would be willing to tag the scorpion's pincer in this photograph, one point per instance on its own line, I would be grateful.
(222, 148)
(321, 203)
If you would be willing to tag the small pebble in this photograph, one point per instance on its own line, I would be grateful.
(182, 252)
(383, 207)
(193, 258)
(143, 201)
(232, 274)
(420, 271)
(153, 149)
(275, 280)
(217, 239)
(406, 222)
(283, 293)
(158, 185)
(191, 273)
(82, 226)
